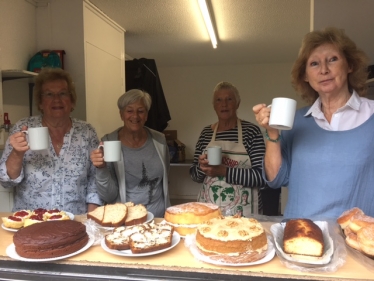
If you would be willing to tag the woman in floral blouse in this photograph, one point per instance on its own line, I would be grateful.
(62, 176)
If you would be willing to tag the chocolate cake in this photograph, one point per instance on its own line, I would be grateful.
(50, 239)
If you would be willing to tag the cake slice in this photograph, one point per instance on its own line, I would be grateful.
(119, 239)
(96, 215)
(136, 214)
(114, 215)
(151, 240)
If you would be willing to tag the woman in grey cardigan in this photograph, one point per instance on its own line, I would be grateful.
(141, 175)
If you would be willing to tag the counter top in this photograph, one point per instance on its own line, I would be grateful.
(175, 264)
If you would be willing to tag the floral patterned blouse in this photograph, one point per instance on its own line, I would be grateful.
(47, 180)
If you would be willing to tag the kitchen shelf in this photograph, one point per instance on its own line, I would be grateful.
(12, 74)
(185, 163)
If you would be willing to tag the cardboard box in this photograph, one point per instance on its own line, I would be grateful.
(176, 147)
(170, 135)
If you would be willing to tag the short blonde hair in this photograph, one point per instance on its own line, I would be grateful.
(227, 86)
(132, 96)
(357, 60)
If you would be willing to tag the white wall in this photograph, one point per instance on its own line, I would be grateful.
(189, 91)
(17, 46)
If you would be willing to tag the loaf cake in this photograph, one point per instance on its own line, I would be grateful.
(232, 239)
(118, 214)
(50, 239)
(185, 218)
(303, 237)
(140, 238)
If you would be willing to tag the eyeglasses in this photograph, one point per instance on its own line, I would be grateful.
(61, 95)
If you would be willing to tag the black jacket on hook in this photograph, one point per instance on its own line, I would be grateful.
(142, 74)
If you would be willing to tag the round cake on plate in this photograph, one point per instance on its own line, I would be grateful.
(232, 239)
(50, 239)
(186, 217)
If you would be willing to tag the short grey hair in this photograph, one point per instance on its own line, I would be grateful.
(227, 86)
(132, 96)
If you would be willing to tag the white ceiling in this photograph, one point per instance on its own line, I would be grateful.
(249, 31)
(173, 32)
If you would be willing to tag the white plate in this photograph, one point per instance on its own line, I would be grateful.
(150, 217)
(191, 241)
(9, 229)
(278, 231)
(71, 216)
(11, 252)
(127, 253)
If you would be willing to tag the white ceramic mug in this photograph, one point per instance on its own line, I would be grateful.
(282, 113)
(37, 138)
(112, 151)
(214, 155)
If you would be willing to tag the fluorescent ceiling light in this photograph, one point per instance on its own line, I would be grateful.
(208, 22)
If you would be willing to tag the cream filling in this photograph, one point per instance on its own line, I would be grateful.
(184, 225)
(234, 254)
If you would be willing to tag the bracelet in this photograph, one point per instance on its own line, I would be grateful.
(269, 139)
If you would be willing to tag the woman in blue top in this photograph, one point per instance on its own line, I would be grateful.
(327, 159)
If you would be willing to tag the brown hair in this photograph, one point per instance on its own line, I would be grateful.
(357, 60)
(53, 74)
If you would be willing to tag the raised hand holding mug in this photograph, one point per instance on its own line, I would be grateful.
(38, 138)
(282, 113)
(112, 151)
(214, 155)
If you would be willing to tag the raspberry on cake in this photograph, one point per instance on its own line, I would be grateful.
(33, 219)
(39, 211)
(232, 239)
(24, 214)
(55, 214)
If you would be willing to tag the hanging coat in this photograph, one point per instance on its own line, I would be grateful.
(142, 74)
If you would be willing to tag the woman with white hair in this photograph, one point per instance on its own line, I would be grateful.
(233, 185)
(141, 175)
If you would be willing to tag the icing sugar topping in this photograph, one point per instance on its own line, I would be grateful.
(195, 207)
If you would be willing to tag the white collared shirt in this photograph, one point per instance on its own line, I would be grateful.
(355, 112)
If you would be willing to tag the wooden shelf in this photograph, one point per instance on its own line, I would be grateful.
(186, 163)
(11, 74)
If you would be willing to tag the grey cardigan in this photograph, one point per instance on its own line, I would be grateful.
(111, 184)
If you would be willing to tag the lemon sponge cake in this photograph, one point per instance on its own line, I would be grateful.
(186, 217)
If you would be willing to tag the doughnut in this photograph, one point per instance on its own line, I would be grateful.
(345, 217)
(358, 221)
(365, 238)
